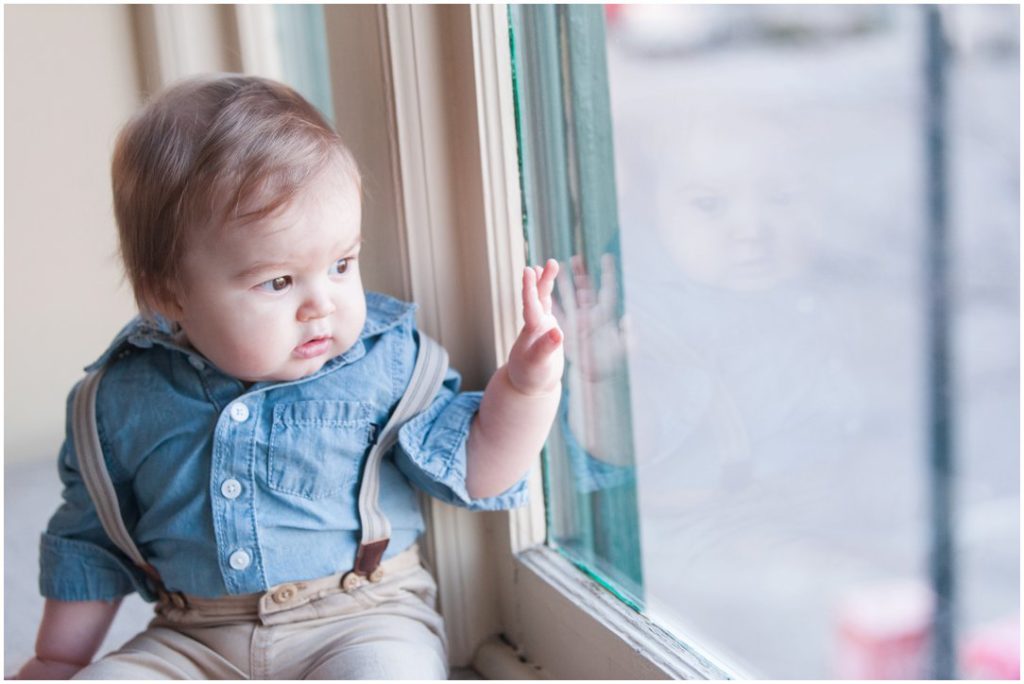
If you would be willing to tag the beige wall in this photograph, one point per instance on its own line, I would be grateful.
(71, 79)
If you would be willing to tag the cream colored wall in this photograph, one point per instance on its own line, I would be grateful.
(71, 79)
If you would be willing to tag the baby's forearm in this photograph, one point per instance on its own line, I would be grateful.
(506, 435)
(71, 631)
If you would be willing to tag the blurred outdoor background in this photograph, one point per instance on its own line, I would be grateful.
(772, 175)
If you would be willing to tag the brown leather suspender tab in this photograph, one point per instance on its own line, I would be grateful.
(369, 556)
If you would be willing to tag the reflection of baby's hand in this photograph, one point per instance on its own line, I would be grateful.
(536, 360)
(596, 345)
(594, 337)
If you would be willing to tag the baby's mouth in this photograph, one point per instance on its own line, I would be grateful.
(313, 347)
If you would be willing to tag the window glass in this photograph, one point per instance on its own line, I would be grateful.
(570, 204)
(742, 194)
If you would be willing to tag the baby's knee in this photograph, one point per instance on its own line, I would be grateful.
(160, 653)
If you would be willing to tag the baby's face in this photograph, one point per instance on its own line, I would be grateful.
(739, 226)
(277, 299)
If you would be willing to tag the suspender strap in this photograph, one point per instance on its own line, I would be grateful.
(427, 376)
(95, 474)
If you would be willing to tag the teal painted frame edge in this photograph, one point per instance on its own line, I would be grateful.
(566, 163)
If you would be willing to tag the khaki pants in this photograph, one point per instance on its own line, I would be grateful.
(302, 630)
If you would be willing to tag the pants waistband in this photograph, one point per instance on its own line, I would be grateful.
(289, 595)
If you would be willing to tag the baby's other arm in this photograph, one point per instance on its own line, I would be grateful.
(69, 636)
(522, 397)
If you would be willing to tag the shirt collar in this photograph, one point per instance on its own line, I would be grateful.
(382, 314)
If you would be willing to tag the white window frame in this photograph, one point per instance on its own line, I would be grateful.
(562, 623)
(432, 123)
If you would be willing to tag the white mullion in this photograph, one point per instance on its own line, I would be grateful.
(496, 123)
(413, 168)
(505, 241)
(394, 156)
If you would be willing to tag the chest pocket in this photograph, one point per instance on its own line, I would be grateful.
(316, 447)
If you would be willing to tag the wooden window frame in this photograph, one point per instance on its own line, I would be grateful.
(562, 623)
(434, 129)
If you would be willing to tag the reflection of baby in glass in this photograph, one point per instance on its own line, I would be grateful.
(734, 361)
(732, 223)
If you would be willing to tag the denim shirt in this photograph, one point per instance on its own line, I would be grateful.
(231, 490)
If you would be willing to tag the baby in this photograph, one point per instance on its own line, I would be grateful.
(236, 413)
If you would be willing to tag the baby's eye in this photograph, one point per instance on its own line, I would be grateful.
(277, 284)
(339, 266)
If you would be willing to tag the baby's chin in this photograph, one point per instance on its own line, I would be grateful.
(296, 369)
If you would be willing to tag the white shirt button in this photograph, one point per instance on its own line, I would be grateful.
(239, 412)
(196, 362)
(231, 488)
(239, 560)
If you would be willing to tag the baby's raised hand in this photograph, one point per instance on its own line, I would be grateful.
(536, 360)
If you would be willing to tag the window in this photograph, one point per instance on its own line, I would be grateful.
(742, 451)
(753, 198)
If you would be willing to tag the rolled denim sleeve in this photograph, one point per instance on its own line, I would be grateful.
(431, 450)
(77, 560)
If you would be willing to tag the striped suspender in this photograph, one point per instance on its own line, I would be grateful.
(427, 376)
(95, 474)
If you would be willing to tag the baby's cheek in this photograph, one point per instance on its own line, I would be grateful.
(254, 354)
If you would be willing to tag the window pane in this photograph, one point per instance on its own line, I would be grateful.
(757, 375)
(569, 191)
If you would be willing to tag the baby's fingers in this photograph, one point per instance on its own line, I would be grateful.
(546, 283)
(532, 310)
(545, 345)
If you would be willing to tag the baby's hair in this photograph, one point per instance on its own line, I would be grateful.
(210, 152)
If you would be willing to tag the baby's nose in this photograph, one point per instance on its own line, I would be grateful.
(317, 305)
